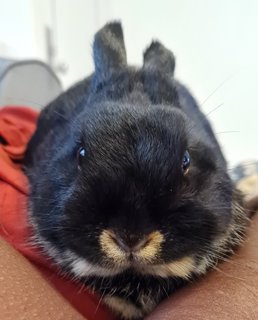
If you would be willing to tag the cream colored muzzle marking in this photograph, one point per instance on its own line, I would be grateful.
(147, 252)
(182, 268)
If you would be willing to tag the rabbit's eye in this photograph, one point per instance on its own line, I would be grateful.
(81, 153)
(186, 162)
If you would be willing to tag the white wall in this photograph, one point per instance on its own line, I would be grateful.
(75, 27)
(215, 41)
(15, 28)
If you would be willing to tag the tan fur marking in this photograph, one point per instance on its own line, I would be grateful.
(125, 309)
(110, 248)
(152, 248)
(181, 268)
(148, 253)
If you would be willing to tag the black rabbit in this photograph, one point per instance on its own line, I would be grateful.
(129, 190)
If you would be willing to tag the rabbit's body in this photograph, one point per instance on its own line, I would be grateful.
(111, 200)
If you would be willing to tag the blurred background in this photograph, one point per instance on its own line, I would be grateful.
(215, 43)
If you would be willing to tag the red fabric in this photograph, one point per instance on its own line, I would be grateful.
(16, 127)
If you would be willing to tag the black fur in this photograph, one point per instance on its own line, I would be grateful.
(135, 125)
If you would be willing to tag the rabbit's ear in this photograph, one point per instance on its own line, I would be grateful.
(109, 51)
(158, 58)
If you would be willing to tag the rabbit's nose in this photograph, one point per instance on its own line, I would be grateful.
(131, 243)
(121, 247)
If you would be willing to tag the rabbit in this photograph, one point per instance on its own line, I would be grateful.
(129, 190)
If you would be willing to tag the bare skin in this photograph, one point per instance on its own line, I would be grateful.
(229, 293)
(25, 295)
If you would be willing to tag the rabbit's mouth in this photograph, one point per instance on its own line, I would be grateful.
(80, 267)
(182, 268)
(142, 255)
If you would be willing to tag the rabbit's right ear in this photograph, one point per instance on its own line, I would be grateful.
(158, 58)
(109, 51)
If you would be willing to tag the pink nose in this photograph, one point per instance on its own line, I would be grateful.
(130, 244)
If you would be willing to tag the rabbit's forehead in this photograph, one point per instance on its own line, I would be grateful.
(117, 121)
(122, 151)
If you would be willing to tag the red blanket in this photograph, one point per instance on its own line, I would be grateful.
(16, 126)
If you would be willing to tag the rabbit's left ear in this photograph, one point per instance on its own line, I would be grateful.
(158, 58)
(158, 67)
(109, 51)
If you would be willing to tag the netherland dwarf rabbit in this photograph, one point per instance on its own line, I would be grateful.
(129, 190)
